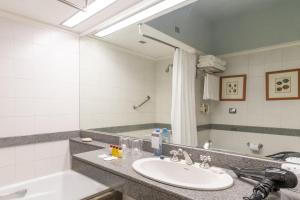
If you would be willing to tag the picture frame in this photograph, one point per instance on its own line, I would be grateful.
(283, 85)
(233, 88)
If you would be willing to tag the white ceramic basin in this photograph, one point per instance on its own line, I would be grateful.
(181, 175)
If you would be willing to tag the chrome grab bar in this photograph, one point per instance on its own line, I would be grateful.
(16, 194)
(145, 101)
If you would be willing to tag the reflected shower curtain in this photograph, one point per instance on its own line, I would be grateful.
(183, 113)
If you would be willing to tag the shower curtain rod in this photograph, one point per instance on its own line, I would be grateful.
(158, 40)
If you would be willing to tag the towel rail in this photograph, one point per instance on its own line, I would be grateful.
(141, 104)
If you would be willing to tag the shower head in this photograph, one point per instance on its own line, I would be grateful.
(167, 70)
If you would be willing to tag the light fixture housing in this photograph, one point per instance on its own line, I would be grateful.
(90, 10)
(140, 16)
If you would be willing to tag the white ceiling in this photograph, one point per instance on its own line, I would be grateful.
(129, 38)
(54, 12)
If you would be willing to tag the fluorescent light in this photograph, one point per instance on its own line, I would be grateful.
(91, 10)
(166, 4)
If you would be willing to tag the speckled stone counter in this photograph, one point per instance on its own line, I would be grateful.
(119, 175)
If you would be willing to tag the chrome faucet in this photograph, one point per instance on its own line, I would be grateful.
(180, 152)
(187, 157)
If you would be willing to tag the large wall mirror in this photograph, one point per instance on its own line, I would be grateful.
(126, 77)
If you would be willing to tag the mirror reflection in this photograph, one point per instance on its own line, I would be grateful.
(215, 74)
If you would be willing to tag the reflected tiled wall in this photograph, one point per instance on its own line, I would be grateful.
(163, 91)
(256, 111)
(111, 82)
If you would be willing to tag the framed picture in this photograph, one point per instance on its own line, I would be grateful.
(233, 88)
(283, 85)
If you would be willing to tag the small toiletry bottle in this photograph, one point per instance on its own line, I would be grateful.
(120, 152)
(165, 135)
(110, 149)
(156, 141)
(114, 151)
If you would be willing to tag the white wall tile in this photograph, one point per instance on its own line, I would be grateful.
(259, 112)
(39, 70)
(7, 156)
(25, 153)
(6, 69)
(39, 93)
(50, 165)
(24, 171)
(111, 82)
(7, 87)
(25, 125)
(7, 174)
(29, 161)
(8, 126)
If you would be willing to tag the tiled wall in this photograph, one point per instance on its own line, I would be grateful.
(163, 91)
(39, 76)
(29, 161)
(256, 111)
(111, 82)
(39, 93)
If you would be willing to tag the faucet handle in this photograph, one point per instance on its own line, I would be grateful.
(180, 152)
(208, 159)
(203, 158)
(174, 154)
(205, 161)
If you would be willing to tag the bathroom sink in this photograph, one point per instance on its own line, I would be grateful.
(182, 175)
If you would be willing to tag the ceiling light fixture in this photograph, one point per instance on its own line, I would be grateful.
(90, 10)
(151, 11)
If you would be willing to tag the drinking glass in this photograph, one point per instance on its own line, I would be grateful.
(124, 142)
(137, 147)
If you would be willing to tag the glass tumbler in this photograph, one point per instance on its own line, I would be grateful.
(124, 142)
(137, 147)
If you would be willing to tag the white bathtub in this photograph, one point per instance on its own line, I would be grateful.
(68, 185)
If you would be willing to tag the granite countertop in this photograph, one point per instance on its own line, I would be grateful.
(94, 143)
(122, 167)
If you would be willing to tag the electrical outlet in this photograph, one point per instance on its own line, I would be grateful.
(232, 110)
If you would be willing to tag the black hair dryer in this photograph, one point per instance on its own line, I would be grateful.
(269, 179)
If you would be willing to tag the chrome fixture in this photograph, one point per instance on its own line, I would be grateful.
(205, 161)
(17, 194)
(73, 5)
(187, 157)
(167, 70)
(142, 42)
(207, 144)
(255, 148)
(141, 104)
(180, 152)
(175, 155)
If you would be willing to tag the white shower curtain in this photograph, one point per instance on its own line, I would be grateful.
(183, 114)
